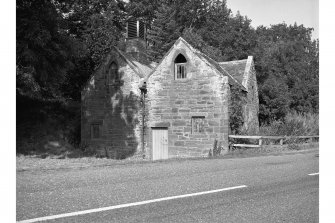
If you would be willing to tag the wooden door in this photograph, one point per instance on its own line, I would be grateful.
(159, 143)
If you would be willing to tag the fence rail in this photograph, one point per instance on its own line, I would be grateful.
(260, 139)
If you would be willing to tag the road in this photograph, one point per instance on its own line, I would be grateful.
(273, 189)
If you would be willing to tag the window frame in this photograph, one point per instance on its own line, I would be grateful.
(176, 65)
(113, 77)
(92, 130)
(198, 129)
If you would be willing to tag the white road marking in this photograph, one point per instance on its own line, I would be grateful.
(125, 205)
(312, 174)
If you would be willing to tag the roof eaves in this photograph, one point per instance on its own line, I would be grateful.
(232, 62)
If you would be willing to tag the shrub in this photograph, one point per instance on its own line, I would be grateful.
(294, 124)
(236, 102)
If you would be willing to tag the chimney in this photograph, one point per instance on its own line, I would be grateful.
(136, 40)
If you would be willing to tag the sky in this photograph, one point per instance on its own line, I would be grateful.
(267, 12)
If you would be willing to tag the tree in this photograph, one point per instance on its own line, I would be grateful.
(289, 54)
(97, 24)
(171, 19)
(59, 44)
(144, 9)
(274, 99)
(233, 35)
(164, 31)
(43, 49)
(193, 38)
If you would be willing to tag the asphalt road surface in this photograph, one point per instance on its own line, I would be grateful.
(257, 189)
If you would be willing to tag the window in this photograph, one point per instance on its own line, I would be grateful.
(180, 71)
(180, 67)
(95, 131)
(198, 124)
(113, 75)
(132, 29)
(135, 29)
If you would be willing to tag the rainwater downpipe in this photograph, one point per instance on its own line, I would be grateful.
(143, 89)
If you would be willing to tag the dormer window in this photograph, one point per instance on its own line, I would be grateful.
(113, 73)
(180, 67)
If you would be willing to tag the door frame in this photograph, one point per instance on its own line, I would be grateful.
(152, 139)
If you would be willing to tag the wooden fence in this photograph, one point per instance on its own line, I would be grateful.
(261, 138)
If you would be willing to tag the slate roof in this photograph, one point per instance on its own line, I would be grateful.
(222, 70)
(236, 68)
(140, 69)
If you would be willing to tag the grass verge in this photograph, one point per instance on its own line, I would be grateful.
(34, 163)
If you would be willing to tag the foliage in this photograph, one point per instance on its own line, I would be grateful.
(164, 32)
(294, 124)
(97, 24)
(286, 60)
(59, 44)
(193, 38)
(43, 49)
(144, 9)
(236, 103)
(171, 19)
(273, 99)
(39, 122)
(232, 35)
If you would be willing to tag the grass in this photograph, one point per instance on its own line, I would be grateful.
(33, 162)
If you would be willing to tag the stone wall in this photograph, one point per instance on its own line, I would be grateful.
(116, 107)
(172, 104)
(251, 108)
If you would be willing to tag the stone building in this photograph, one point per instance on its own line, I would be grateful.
(175, 108)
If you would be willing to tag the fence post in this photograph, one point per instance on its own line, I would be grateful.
(281, 142)
(260, 142)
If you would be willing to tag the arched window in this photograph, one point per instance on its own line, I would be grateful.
(113, 74)
(180, 67)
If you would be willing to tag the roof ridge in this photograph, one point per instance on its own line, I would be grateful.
(232, 61)
(137, 69)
